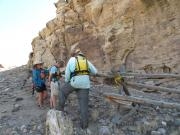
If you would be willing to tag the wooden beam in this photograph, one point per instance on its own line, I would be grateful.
(138, 75)
(152, 76)
(108, 75)
(158, 88)
(144, 101)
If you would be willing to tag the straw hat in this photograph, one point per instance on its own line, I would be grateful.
(77, 51)
(37, 62)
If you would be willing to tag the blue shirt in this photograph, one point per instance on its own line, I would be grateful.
(78, 81)
(54, 70)
(37, 80)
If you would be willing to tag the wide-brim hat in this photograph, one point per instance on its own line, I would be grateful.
(38, 62)
(77, 51)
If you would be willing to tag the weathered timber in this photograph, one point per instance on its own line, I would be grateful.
(152, 76)
(144, 101)
(108, 75)
(158, 88)
(139, 75)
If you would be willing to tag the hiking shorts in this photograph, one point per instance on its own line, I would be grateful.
(54, 88)
(40, 88)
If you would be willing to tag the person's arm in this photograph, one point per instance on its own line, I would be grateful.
(92, 68)
(49, 78)
(69, 68)
(51, 72)
(35, 78)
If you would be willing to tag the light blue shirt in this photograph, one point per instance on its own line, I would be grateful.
(53, 70)
(78, 81)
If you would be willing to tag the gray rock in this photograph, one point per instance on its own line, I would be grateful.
(14, 133)
(104, 130)
(58, 123)
(177, 122)
(164, 123)
(16, 108)
(155, 133)
(88, 131)
(18, 99)
(4, 111)
(116, 119)
(23, 127)
(162, 131)
(94, 115)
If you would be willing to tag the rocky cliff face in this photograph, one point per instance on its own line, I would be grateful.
(142, 34)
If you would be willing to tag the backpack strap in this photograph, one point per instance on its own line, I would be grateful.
(79, 71)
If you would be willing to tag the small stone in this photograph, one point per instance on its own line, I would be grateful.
(16, 105)
(14, 133)
(177, 122)
(94, 115)
(4, 111)
(18, 99)
(16, 108)
(24, 130)
(89, 131)
(162, 131)
(39, 127)
(164, 123)
(104, 130)
(157, 108)
(116, 119)
(155, 133)
(23, 127)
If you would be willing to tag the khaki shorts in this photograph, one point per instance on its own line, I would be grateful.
(54, 88)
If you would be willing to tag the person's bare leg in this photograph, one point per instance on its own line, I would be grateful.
(51, 102)
(40, 99)
(45, 94)
(54, 101)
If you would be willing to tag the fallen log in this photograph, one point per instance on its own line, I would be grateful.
(143, 101)
(107, 74)
(158, 88)
(138, 75)
(152, 76)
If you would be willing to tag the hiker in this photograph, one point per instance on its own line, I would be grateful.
(77, 79)
(54, 82)
(39, 82)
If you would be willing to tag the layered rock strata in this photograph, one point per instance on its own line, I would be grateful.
(144, 35)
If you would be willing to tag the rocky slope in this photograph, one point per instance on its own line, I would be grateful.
(142, 34)
(19, 114)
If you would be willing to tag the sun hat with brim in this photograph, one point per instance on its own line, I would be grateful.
(77, 51)
(38, 62)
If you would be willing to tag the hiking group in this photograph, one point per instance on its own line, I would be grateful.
(76, 78)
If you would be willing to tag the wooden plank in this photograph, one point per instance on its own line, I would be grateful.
(152, 76)
(138, 75)
(158, 88)
(144, 101)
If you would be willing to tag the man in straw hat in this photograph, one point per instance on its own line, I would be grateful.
(39, 81)
(77, 79)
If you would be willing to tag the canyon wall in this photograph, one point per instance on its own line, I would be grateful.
(142, 34)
